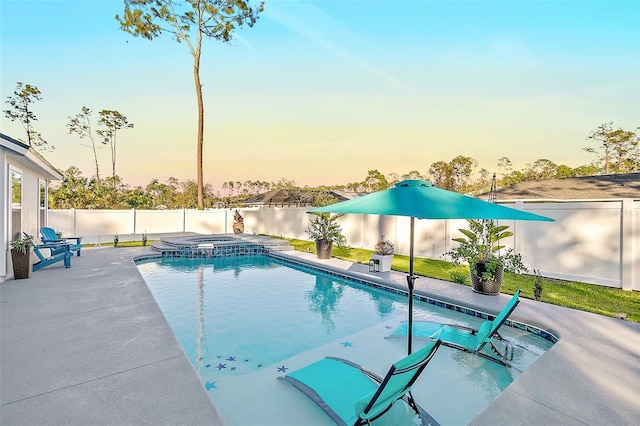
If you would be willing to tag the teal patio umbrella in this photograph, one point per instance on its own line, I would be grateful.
(421, 200)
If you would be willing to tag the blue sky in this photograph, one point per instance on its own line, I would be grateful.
(320, 92)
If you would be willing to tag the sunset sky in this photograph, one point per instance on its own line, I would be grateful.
(320, 92)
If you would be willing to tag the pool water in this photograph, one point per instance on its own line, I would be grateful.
(243, 321)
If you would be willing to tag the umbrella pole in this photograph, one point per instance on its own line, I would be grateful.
(411, 279)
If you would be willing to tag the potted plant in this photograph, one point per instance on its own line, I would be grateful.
(480, 248)
(238, 224)
(384, 254)
(325, 231)
(21, 250)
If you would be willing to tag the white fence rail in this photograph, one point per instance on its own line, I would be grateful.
(591, 241)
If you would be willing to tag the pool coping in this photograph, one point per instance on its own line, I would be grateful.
(54, 369)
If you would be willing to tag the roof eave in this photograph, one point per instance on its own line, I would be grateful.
(29, 158)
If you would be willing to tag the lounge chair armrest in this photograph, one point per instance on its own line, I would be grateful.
(375, 377)
(53, 244)
(47, 241)
(463, 328)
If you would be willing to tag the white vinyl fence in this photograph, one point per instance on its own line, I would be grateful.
(591, 241)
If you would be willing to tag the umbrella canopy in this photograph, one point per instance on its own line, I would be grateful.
(422, 200)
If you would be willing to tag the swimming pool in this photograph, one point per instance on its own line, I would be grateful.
(245, 320)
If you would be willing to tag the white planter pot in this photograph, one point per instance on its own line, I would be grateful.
(385, 261)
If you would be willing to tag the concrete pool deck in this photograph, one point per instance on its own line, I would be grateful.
(89, 345)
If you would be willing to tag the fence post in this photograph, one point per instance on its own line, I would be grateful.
(75, 221)
(133, 219)
(517, 242)
(627, 240)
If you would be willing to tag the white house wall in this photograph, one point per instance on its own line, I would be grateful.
(5, 213)
(30, 207)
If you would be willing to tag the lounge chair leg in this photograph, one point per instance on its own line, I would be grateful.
(508, 351)
(412, 403)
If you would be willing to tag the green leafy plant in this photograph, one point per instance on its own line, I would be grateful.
(116, 238)
(324, 226)
(22, 245)
(144, 239)
(481, 244)
(459, 277)
(537, 285)
(384, 247)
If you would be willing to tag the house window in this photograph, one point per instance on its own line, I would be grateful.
(42, 204)
(16, 203)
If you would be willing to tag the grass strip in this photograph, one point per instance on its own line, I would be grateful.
(569, 294)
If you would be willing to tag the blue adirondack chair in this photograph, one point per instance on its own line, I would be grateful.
(49, 235)
(59, 252)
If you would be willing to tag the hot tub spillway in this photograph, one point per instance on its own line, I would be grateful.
(219, 245)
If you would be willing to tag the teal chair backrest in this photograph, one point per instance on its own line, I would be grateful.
(397, 383)
(48, 234)
(489, 328)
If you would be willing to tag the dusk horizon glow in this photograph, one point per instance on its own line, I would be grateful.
(321, 92)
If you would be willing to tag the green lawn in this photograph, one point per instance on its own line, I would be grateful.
(586, 297)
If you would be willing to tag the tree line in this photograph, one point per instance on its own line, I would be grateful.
(460, 175)
(616, 150)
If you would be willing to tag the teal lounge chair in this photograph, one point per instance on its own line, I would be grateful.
(466, 338)
(49, 235)
(351, 395)
(59, 252)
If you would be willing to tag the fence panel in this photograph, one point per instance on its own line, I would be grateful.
(102, 225)
(583, 244)
(62, 221)
(206, 221)
(595, 242)
(159, 221)
(631, 245)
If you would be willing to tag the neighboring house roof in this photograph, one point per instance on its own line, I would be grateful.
(346, 195)
(28, 157)
(285, 197)
(276, 197)
(625, 185)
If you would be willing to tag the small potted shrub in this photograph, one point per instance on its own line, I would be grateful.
(480, 248)
(384, 254)
(238, 224)
(325, 231)
(21, 257)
